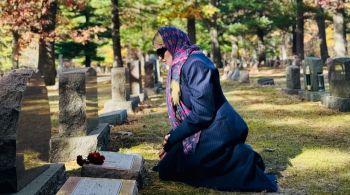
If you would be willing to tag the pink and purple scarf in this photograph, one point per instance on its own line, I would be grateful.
(178, 44)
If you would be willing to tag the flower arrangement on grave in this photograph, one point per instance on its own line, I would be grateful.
(93, 158)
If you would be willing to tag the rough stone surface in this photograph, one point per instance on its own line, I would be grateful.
(86, 185)
(112, 105)
(136, 100)
(244, 77)
(339, 77)
(316, 66)
(68, 148)
(23, 102)
(72, 104)
(314, 96)
(114, 118)
(266, 81)
(48, 183)
(336, 103)
(293, 77)
(235, 75)
(119, 92)
(149, 74)
(117, 166)
(135, 77)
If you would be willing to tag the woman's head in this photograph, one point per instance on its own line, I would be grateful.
(170, 42)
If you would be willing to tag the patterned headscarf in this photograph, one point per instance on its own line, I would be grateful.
(178, 44)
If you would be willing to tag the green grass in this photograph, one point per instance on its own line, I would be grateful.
(305, 145)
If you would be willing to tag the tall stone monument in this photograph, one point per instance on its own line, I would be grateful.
(25, 131)
(120, 94)
(79, 129)
(293, 80)
(313, 79)
(339, 85)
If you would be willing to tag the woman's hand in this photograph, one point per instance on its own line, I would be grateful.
(162, 152)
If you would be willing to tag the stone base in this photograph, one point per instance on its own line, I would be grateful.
(114, 118)
(117, 166)
(336, 103)
(64, 149)
(135, 100)
(291, 91)
(314, 96)
(86, 185)
(49, 182)
(112, 105)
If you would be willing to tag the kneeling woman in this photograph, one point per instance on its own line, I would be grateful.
(205, 147)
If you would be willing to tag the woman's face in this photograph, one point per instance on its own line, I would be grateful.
(168, 58)
(158, 43)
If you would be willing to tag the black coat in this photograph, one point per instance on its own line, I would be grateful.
(221, 159)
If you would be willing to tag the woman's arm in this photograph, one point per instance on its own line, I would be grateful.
(199, 78)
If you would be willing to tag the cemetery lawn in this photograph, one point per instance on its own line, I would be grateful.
(305, 145)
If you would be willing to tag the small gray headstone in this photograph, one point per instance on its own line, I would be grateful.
(244, 77)
(235, 75)
(135, 77)
(149, 74)
(119, 89)
(315, 66)
(293, 77)
(266, 81)
(339, 77)
(101, 186)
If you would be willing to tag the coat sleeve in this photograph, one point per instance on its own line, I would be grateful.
(199, 78)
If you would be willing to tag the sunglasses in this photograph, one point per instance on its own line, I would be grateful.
(161, 51)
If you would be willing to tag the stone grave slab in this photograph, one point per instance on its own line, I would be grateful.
(114, 118)
(293, 80)
(101, 186)
(117, 166)
(266, 81)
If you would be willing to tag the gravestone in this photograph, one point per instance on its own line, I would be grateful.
(293, 80)
(236, 74)
(114, 118)
(266, 81)
(79, 129)
(117, 166)
(339, 85)
(149, 76)
(85, 185)
(120, 95)
(135, 82)
(244, 77)
(313, 79)
(25, 131)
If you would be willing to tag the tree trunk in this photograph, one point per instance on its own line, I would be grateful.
(320, 19)
(116, 35)
(300, 29)
(339, 38)
(294, 39)
(261, 48)
(87, 53)
(215, 46)
(87, 46)
(191, 29)
(15, 49)
(46, 64)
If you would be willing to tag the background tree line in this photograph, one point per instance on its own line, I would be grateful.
(91, 32)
